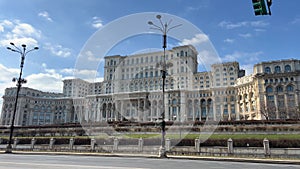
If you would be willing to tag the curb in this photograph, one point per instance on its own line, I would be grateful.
(229, 159)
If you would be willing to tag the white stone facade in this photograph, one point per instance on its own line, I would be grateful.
(132, 90)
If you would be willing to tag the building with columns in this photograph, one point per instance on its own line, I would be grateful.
(271, 92)
(132, 90)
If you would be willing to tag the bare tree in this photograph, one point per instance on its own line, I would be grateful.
(268, 111)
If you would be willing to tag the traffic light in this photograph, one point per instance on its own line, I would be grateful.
(259, 7)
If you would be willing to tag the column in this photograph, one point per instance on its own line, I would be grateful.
(250, 107)
(267, 147)
(200, 111)
(193, 109)
(101, 114)
(297, 99)
(237, 108)
(286, 105)
(276, 106)
(265, 106)
(122, 110)
(182, 105)
(98, 112)
(214, 110)
(230, 146)
(146, 110)
(244, 106)
(106, 112)
(229, 110)
(138, 110)
(222, 111)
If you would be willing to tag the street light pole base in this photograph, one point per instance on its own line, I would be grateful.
(162, 152)
(8, 149)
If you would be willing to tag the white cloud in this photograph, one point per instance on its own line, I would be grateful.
(230, 25)
(196, 40)
(6, 75)
(45, 15)
(206, 58)
(252, 57)
(85, 74)
(91, 57)
(228, 40)
(58, 50)
(248, 68)
(259, 30)
(50, 81)
(5, 23)
(24, 29)
(67, 71)
(19, 33)
(295, 20)
(245, 35)
(259, 23)
(97, 22)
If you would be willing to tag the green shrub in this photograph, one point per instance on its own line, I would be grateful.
(82, 141)
(59, 141)
(24, 141)
(42, 141)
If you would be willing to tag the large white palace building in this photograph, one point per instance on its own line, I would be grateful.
(132, 90)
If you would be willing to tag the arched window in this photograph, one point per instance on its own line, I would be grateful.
(181, 53)
(267, 70)
(269, 89)
(277, 69)
(279, 89)
(174, 101)
(290, 88)
(287, 68)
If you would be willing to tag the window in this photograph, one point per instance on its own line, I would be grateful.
(290, 88)
(279, 89)
(269, 89)
(287, 68)
(277, 69)
(267, 70)
(270, 98)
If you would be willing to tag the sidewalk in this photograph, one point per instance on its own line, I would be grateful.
(234, 159)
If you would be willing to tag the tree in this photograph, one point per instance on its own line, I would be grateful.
(268, 111)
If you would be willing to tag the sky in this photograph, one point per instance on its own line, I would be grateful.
(62, 29)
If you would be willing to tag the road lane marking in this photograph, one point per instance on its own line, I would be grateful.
(68, 165)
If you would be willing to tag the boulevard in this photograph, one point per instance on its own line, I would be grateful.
(21, 161)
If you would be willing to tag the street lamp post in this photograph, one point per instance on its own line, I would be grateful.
(164, 28)
(19, 81)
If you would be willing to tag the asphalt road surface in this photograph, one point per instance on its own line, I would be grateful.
(19, 161)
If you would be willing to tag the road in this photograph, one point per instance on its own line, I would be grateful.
(19, 161)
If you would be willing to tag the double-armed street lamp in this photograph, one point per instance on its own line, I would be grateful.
(19, 81)
(164, 28)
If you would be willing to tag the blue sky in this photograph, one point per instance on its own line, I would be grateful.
(61, 28)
